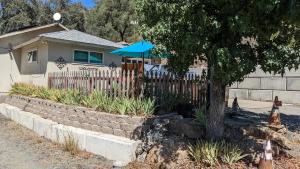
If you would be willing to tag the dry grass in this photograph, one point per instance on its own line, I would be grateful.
(71, 144)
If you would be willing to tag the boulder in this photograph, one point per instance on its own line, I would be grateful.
(188, 127)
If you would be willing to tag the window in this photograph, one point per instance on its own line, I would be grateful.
(81, 56)
(88, 57)
(96, 57)
(32, 56)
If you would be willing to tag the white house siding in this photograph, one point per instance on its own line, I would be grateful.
(35, 73)
(262, 86)
(9, 70)
(10, 62)
(66, 51)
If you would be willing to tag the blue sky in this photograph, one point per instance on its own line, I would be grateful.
(87, 3)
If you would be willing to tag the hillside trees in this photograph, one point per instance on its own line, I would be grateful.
(113, 19)
(18, 14)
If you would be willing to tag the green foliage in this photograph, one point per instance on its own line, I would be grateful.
(113, 19)
(17, 14)
(71, 97)
(200, 116)
(231, 153)
(170, 101)
(232, 36)
(205, 152)
(97, 99)
(212, 153)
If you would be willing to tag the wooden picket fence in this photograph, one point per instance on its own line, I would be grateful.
(131, 84)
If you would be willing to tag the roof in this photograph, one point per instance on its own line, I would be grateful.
(81, 37)
(31, 29)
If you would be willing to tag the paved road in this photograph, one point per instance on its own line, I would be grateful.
(22, 149)
(290, 114)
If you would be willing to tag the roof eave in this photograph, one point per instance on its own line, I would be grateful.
(79, 43)
(26, 43)
(32, 29)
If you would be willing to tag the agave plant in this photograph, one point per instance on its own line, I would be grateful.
(232, 154)
(205, 152)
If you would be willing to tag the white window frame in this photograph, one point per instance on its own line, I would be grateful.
(37, 55)
(89, 52)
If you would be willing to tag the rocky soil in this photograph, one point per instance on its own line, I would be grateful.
(22, 149)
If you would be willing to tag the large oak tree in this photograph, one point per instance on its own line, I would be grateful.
(233, 36)
(113, 19)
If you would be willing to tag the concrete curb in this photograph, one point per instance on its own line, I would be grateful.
(109, 146)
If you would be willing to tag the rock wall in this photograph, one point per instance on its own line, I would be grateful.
(262, 86)
(81, 117)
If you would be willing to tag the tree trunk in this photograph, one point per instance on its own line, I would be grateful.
(215, 116)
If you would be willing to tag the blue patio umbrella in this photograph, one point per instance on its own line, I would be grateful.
(140, 49)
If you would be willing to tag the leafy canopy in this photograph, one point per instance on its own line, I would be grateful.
(17, 14)
(113, 19)
(233, 36)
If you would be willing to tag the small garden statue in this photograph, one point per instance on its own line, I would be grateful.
(235, 106)
(275, 115)
(266, 160)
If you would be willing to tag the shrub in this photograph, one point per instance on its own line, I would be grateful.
(200, 115)
(97, 99)
(209, 152)
(23, 89)
(72, 97)
(231, 154)
(170, 101)
(71, 144)
(148, 106)
(205, 152)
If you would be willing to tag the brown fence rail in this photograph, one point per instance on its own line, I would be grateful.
(129, 84)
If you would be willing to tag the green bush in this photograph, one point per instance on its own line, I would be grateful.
(212, 153)
(23, 89)
(97, 99)
(72, 97)
(170, 101)
(200, 115)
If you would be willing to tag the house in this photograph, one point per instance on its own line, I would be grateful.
(29, 55)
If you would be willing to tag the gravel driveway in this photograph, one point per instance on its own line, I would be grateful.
(21, 148)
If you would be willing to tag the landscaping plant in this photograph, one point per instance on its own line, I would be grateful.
(213, 153)
(97, 99)
(231, 153)
(200, 115)
(205, 152)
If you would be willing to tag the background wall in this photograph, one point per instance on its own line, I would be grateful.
(262, 86)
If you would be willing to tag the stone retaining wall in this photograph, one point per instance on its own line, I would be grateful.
(262, 86)
(81, 117)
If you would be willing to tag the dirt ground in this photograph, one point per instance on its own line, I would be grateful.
(22, 149)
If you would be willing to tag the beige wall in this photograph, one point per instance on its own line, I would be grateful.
(9, 69)
(38, 67)
(11, 62)
(49, 52)
(66, 51)
(15, 68)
